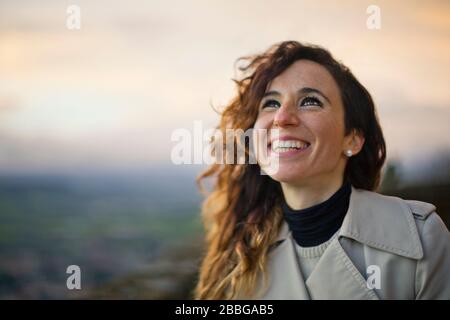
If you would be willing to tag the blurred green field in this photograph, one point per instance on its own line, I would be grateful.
(49, 223)
(133, 236)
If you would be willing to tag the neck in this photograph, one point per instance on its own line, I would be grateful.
(305, 195)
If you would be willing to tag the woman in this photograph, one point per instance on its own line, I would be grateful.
(314, 228)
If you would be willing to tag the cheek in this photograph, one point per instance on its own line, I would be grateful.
(329, 133)
(260, 137)
(262, 122)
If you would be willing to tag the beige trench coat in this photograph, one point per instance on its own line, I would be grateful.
(387, 248)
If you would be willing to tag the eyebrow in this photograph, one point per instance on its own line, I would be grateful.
(304, 90)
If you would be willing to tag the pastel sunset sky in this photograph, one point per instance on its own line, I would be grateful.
(110, 94)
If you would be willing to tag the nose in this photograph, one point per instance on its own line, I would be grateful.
(286, 115)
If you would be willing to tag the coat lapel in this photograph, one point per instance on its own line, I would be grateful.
(286, 280)
(382, 222)
(378, 221)
(336, 277)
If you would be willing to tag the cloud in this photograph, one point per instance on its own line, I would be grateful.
(113, 91)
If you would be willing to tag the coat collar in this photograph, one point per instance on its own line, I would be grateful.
(378, 221)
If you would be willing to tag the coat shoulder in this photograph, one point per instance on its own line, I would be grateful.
(401, 221)
(420, 210)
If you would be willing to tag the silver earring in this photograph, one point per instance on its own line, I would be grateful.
(348, 153)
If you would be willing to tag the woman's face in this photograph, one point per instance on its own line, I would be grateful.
(304, 103)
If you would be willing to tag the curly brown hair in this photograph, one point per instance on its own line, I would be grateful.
(242, 214)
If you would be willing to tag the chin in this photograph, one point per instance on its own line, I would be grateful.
(287, 176)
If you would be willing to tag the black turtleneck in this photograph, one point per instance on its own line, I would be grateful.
(317, 224)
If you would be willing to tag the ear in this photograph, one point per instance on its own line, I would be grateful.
(354, 141)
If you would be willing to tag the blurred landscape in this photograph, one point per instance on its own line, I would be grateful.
(87, 117)
(109, 225)
(134, 235)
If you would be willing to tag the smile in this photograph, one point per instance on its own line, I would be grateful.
(280, 146)
(287, 148)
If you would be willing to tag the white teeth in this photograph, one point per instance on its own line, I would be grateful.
(287, 145)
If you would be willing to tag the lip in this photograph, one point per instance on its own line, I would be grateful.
(284, 138)
(289, 153)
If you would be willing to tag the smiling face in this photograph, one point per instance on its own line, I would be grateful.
(304, 103)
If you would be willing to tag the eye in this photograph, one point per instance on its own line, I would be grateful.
(311, 101)
(271, 103)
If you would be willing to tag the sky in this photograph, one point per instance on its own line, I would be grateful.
(110, 94)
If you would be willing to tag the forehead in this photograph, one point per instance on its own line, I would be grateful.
(305, 73)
